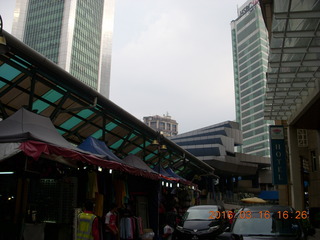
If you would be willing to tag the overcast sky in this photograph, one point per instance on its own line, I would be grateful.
(170, 56)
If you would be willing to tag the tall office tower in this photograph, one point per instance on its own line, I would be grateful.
(74, 34)
(250, 58)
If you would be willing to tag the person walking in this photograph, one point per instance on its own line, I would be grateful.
(111, 223)
(88, 224)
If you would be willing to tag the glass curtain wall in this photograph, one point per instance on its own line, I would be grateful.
(250, 59)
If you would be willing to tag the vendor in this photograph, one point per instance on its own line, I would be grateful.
(88, 224)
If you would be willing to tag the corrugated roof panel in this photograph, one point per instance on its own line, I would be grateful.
(97, 134)
(61, 132)
(85, 113)
(111, 126)
(75, 120)
(135, 151)
(134, 135)
(151, 155)
(23, 63)
(52, 96)
(138, 149)
(7, 72)
(117, 144)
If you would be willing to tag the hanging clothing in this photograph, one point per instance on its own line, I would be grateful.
(131, 228)
(121, 193)
(167, 232)
(140, 225)
(111, 222)
(98, 210)
(92, 185)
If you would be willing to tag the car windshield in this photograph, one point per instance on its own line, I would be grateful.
(261, 225)
(198, 214)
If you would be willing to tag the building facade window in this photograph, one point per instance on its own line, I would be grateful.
(302, 138)
(314, 161)
(250, 55)
(164, 124)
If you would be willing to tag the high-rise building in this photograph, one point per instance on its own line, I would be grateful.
(164, 124)
(250, 61)
(74, 34)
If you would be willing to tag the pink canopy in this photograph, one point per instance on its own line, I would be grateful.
(36, 136)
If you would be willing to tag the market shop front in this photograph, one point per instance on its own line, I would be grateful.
(43, 183)
(46, 180)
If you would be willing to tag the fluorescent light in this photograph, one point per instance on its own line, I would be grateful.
(6, 173)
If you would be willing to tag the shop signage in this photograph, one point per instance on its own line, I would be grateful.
(278, 155)
(248, 7)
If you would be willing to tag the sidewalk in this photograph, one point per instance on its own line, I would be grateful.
(316, 236)
(228, 207)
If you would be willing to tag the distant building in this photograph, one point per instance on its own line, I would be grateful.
(250, 47)
(164, 124)
(74, 34)
(238, 172)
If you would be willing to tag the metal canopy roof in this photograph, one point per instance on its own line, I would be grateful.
(29, 80)
(294, 61)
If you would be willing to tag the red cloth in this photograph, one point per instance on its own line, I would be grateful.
(34, 149)
(231, 217)
(111, 223)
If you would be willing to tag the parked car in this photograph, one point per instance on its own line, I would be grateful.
(202, 222)
(267, 222)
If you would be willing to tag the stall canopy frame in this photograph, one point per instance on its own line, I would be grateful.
(28, 79)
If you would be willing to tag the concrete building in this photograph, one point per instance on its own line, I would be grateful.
(250, 61)
(74, 34)
(238, 172)
(164, 124)
(293, 95)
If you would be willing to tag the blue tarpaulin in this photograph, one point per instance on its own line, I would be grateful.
(159, 169)
(96, 146)
(269, 195)
(173, 174)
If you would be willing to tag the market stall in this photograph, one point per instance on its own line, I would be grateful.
(48, 177)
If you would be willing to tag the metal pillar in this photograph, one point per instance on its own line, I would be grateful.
(295, 170)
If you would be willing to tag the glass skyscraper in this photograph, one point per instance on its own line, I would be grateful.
(74, 34)
(250, 61)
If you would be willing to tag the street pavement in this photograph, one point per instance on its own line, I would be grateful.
(316, 236)
(233, 206)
